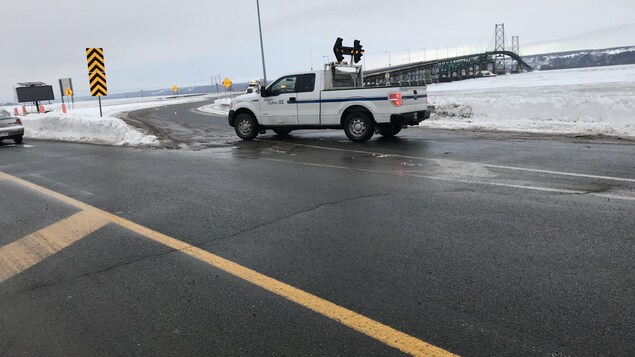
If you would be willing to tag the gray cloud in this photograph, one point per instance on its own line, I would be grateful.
(156, 43)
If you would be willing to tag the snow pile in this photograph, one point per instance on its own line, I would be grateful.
(83, 123)
(590, 101)
(220, 107)
(84, 128)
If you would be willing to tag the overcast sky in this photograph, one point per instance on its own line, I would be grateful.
(158, 43)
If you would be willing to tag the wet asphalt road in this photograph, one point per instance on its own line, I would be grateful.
(480, 244)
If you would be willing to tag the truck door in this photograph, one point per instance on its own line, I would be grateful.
(279, 105)
(308, 99)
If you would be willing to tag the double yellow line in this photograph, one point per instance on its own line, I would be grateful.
(37, 246)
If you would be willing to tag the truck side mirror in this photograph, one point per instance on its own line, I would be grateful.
(262, 91)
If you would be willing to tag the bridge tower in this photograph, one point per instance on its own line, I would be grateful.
(516, 68)
(499, 45)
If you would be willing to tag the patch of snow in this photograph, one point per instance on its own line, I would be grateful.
(84, 128)
(220, 107)
(589, 101)
(83, 123)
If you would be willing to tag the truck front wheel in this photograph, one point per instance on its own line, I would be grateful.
(246, 126)
(359, 127)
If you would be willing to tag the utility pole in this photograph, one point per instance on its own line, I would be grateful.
(262, 47)
(389, 64)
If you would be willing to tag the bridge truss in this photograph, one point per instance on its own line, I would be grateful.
(444, 70)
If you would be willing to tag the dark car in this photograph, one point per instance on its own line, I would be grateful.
(10, 127)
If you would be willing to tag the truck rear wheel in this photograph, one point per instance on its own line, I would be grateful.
(246, 126)
(359, 127)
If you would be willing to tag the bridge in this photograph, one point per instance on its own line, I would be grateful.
(454, 68)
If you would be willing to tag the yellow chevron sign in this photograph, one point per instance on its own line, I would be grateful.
(96, 72)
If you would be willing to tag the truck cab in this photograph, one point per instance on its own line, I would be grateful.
(253, 87)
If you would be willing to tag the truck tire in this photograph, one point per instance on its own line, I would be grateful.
(246, 126)
(390, 130)
(282, 131)
(18, 140)
(359, 127)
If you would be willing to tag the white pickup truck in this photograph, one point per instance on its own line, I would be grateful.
(334, 98)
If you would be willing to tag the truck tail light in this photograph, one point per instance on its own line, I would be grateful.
(18, 121)
(395, 99)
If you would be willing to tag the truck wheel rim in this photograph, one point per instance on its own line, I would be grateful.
(245, 126)
(357, 127)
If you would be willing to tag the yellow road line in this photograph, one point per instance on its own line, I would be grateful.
(358, 322)
(22, 254)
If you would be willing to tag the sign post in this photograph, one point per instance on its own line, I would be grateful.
(97, 73)
(175, 89)
(64, 84)
(227, 83)
(69, 93)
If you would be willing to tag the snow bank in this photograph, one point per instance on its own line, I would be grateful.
(83, 123)
(592, 101)
(84, 128)
(220, 107)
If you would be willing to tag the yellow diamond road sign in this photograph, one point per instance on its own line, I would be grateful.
(69, 92)
(227, 82)
(175, 88)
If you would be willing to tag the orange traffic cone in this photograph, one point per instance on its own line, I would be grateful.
(24, 112)
(15, 112)
(63, 108)
(41, 109)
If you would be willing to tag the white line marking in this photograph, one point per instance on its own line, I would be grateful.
(615, 197)
(17, 146)
(561, 173)
(440, 161)
(470, 182)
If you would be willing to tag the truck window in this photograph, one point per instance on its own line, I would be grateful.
(284, 85)
(307, 83)
(343, 80)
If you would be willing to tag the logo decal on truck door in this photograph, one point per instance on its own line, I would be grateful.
(273, 102)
